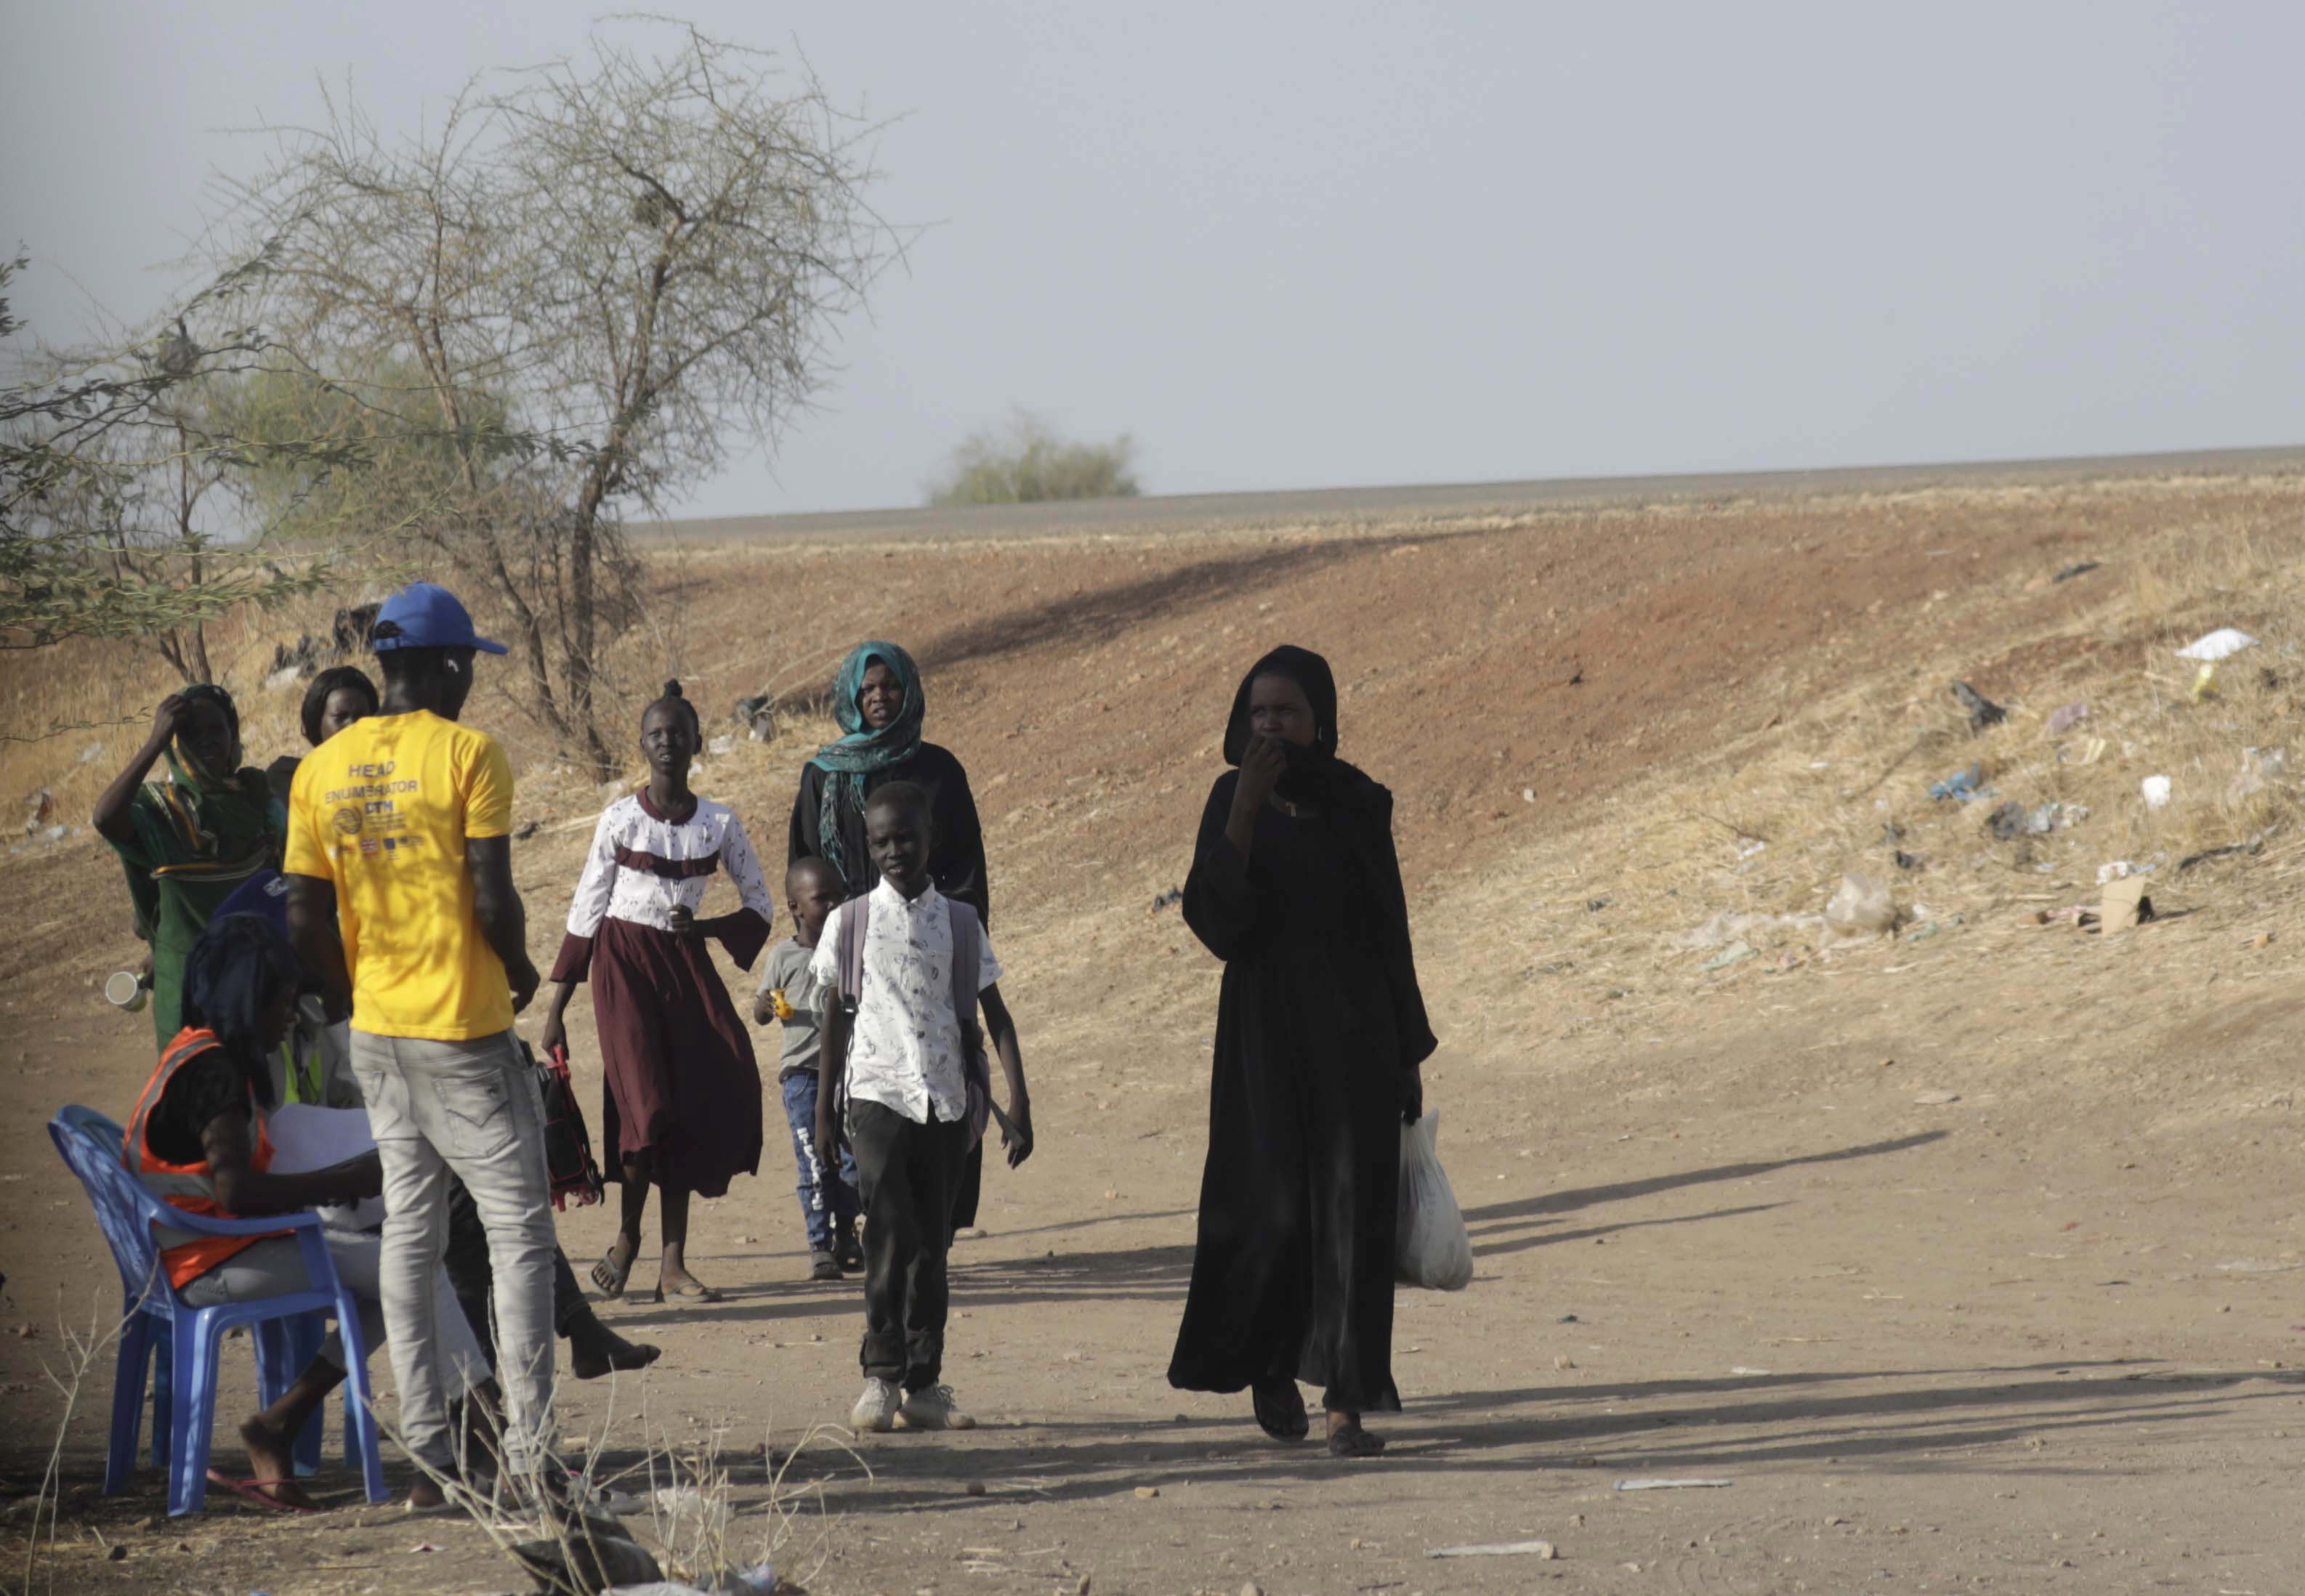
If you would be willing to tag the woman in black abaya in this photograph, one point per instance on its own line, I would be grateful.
(1320, 1031)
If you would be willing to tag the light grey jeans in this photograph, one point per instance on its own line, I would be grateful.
(469, 1107)
(274, 1267)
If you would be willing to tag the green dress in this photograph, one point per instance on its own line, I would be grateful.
(196, 841)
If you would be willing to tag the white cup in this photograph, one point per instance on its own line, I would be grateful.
(128, 990)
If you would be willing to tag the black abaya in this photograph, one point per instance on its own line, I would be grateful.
(1319, 1019)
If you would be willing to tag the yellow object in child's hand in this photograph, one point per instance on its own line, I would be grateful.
(781, 1004)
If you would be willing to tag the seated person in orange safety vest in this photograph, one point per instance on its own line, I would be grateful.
(199, 1140)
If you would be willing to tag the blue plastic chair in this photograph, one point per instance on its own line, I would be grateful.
(187, 1339)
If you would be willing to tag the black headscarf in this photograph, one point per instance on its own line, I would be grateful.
(1315, 775)
(241, 962)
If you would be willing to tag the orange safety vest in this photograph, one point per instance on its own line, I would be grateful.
(184, 1255)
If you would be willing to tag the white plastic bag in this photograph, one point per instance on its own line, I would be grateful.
(1432, 1245)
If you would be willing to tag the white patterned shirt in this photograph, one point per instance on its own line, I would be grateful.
(903, 1045)
(642, 866)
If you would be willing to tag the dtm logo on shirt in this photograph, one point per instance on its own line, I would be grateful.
(367, 810)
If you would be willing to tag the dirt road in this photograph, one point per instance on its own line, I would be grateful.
(1969, 1259)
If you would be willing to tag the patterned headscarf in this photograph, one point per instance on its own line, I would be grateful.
(864, 751)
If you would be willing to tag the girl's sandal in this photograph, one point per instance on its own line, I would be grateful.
(694, 1291)
(1279, 1409)
(1353, 1441)
(610, 1276)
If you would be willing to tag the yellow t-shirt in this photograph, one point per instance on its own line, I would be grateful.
(383, 809)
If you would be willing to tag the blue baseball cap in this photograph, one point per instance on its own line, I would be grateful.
(429, 617)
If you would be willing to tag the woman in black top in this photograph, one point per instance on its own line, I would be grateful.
(878, 700)
(1319, 1030)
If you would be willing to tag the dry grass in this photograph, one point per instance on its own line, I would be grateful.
(84, 1350)
(1768, 824)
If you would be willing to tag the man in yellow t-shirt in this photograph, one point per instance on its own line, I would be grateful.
(400, 898)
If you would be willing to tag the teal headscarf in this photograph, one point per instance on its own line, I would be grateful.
(862, 750)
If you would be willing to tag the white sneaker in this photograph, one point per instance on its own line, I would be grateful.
(934, 1408)
(876, 1409)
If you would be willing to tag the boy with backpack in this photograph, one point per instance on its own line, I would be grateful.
(903, 1075)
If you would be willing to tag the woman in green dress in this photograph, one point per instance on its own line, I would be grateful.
(187, 841)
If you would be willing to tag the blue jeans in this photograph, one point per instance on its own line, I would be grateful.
(821, 1203)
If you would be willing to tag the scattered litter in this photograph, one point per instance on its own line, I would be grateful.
(2246, 1268)
(2083, 569)
(1736, 953)
(2259, 769)
(1908, 861)
(1174, 896)
(2223, 643)
(2120, 870)
(2157, 791)
(2206, 854)
(1145, 1493)
(2091, 753)
(1965, 787)
(1731, 926)
(1595, 906)
(1862, 907)
(2205, 684)
(1741, 1369)
(758, 1580)
(1936, 1100)
(1528, 794)
(2124, 905)
(1540, 1549)
(38, 808)
(1982, 711)
(527, 830)
(2013, 820)
(722, 743)
(759, 715)
(2065, 720)
(1658, 1484)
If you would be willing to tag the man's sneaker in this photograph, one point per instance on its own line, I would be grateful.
(934, 1408)
(876, 1409)
(848, 1251)
(822, 1265)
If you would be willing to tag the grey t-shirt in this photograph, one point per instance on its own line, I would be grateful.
(787, 967)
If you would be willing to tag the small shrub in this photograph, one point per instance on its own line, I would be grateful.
(1025, 463)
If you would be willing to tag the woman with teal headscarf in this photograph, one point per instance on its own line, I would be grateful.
(187, 843)
(878, 701)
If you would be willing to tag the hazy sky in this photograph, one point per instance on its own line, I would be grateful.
(1323, 244)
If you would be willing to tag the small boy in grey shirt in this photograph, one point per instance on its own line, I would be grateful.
(788, 992)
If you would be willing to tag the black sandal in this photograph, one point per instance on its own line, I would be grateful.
(610, 1276)
(1281, 1409)
(1353, 1441)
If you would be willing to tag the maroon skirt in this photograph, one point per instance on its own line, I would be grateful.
(682, 1082)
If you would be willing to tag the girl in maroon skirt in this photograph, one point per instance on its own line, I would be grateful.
(683, 1105)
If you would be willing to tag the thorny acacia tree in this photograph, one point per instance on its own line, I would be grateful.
(119, 514)
(638, 256)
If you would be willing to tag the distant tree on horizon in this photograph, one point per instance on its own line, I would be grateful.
(1026, 462)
